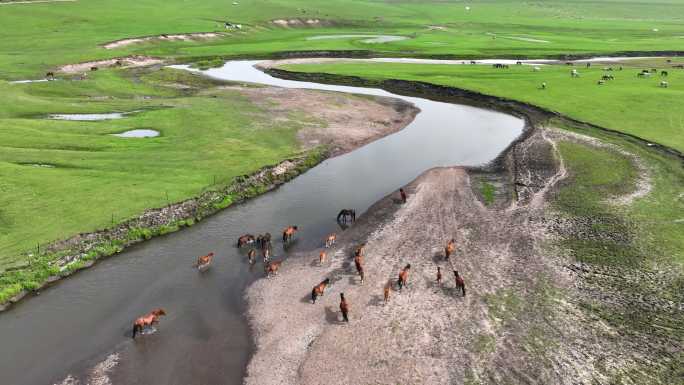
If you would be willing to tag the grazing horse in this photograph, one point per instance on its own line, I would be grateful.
(147, 320)
(346, 213)
(271, 268)
(321, 257)
(449, 249)
(50, 76)
(358, 261)
(319, 289)
(403, 276)
(245, 240)
(574, 74)
(344, 308)
(663, 73)
(289, 233)
(251, 256)
(607, 77)
(439, 275)
(664, 84)
(93, 68)
(332, 238)
(402, 193)
(204, 261)
(460, 284)
(601, 82)
(543, 85)
(264, 241)
(386, 291)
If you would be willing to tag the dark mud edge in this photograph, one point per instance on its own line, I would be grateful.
(62, 258)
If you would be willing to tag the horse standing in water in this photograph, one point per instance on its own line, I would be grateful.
(319, 290)
(204, 261)
(251, 256)
(271, 268)
(358, 261)
(403, 276)
(344, 308)
(346, 213)
(460, 284)
(332, 238)
(245, 240)
(289, 233)
(147, 320)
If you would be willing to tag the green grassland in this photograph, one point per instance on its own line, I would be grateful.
(207, 137)
(630, 104)
(37, 37)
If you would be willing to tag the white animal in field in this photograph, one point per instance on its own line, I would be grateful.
(543, 85)
(536, 69)
(664, 84)
(574, 73)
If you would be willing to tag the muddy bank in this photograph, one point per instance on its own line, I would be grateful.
(123, 62)
(198, 36)
(333, 124)
(341, 122)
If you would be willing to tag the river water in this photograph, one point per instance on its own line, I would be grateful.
(71, 327)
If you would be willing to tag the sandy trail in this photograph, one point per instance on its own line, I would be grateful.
(123, 62)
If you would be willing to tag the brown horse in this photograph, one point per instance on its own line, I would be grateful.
(449, 249)
(204, 261)
(402, 193)
(251, 256)
(386, 291)
(266, 254)
(245, 240)
(147, 320)
(359, 250)
(460, 284)
(439, 275)
(403, 276)
(289, 233)
(271, 268)
(332, 238)
(358, 261)
(319, 289)
(321, 257)
(344, 308)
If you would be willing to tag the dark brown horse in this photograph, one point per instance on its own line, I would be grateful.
(402, 193)
(346, 214)
(289, 233)
(271, 268)
(403, 276)
(50, 76)
(319, 290)
(460, 284)
(344, 308)
(439, 275)
(358, 261)
(148, 319)
(245, 240)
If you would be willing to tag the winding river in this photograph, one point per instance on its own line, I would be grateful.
(72, 327)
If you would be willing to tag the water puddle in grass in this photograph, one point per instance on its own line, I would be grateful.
(88, 117)
(140, 133)
(370, 39)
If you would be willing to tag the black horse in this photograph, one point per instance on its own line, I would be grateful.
(346, 214)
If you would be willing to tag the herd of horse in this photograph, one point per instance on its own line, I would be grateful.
(263, 243)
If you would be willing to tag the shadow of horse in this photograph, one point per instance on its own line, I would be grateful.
(331, 316)
(376, 300)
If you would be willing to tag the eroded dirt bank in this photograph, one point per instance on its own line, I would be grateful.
(520, 322)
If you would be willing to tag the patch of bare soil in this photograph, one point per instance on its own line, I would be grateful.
(520, 323)
(303, 22)
(124, 62)
(341, 122)
(163, 37)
